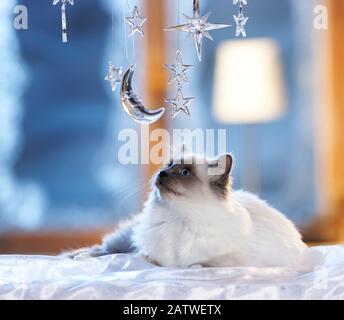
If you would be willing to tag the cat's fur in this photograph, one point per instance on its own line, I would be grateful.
(193, 217)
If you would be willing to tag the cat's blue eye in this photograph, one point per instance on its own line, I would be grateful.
(185, 172)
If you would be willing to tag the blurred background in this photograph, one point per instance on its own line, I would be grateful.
(278, 93)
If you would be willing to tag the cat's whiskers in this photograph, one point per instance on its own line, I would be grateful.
(130, 192)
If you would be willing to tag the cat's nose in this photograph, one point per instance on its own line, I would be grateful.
(162, 174)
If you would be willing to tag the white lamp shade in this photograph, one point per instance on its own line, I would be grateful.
(249, 86)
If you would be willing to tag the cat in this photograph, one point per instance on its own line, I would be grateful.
(193, 217)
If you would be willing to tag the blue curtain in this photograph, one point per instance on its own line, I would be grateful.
(69, 119)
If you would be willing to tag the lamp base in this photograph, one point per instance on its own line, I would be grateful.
(250, 175)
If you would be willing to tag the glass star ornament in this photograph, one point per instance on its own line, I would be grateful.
(114, 76)
(63, 2)
(240, 21)
(63, 16)
(241, 2)
(180, 104)
(198, 27)
(178, 70)
(136, 22)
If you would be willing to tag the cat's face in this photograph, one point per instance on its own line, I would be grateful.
(195, 176)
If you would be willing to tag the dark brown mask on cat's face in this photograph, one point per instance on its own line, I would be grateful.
(193, 175)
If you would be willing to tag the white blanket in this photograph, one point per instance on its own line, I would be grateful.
(130, 277)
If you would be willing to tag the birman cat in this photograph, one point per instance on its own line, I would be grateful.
(193, 217)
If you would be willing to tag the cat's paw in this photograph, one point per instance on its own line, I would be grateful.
(196, 266)
(76, 254)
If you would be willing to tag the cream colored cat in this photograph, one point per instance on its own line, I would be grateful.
(193, 217)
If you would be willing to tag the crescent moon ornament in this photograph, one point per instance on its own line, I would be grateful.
(132, 105)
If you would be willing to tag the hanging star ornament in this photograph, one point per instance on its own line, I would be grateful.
(241, 2)
(240, 21)
(114, 76)
(180, 104)
(198, 27)
(136, 22)
(63, 16)
(63, 2)
(178, 70)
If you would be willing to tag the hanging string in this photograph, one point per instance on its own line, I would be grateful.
(125, 32)
(132, 38)
(178, 23)
(197, 7)
(112, 27)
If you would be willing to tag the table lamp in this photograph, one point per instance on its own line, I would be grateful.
(249, 90)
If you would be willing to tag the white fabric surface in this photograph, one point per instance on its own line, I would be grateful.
(130, 277)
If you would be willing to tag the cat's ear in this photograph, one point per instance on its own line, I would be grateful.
(220, 167)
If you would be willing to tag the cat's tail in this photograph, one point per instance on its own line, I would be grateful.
(119, 241)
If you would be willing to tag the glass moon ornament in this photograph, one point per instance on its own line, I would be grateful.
(131, 103)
